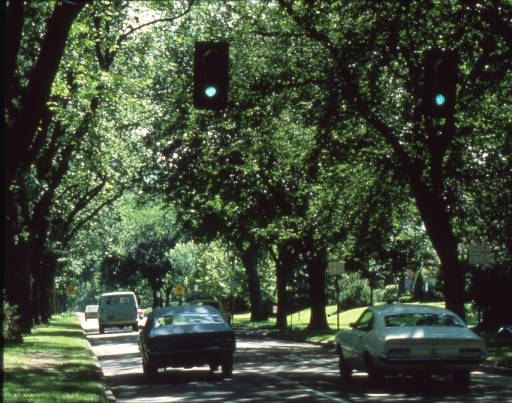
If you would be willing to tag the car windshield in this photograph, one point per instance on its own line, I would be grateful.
(187, 319)
(422, 319)
(92, 308)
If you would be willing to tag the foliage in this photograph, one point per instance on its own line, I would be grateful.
(10, 323)
(354, 292)
(389, 294)
(323, 148)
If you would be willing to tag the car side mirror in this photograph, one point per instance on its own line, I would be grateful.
(352, 325)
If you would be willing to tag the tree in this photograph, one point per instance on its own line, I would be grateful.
(383, 43)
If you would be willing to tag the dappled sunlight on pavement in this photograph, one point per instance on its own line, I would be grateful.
(269, 370)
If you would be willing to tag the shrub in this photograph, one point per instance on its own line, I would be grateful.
(389, 294)
(11, 332)
(418, 287)
(355, 294)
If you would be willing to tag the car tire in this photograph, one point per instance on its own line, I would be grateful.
(227, 368)
(375, 375)
(135, 327)
(462, 379)
(149, 370)
(102, 329)
(344, 367)
(214, 367)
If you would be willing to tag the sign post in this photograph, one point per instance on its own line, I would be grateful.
(335, 269)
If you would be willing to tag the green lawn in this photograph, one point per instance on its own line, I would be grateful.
(53, 364)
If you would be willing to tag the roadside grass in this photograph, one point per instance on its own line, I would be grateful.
(499, 350)
(53, 364)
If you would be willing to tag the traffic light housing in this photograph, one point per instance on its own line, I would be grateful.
(439, 85)
(211, 75)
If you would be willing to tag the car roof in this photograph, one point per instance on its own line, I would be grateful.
(173, 310)
(395, 309)
(113, 294)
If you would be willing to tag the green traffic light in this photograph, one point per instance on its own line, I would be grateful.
(440, 99)
(210, 91)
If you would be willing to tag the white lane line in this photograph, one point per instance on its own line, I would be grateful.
(304, 388)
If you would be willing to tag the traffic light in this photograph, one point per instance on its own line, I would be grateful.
(211, 75)
(439, 85)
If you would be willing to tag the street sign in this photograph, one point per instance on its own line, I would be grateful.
(179, 290)
(71, 290)
(480, 254)
(335, 268)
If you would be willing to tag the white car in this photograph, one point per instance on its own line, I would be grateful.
(409, 339)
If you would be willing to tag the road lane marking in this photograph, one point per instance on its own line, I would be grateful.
(306, 389)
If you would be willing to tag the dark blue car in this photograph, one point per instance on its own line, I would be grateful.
(187, 336)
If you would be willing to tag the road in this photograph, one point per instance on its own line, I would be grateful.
(272, 371)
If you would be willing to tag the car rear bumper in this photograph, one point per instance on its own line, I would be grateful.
(190, 358)
(433, 364)
(134, 322)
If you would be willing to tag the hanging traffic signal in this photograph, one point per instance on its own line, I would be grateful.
(211, 75)
(439, 85)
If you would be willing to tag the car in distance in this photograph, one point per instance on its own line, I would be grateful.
(118, 309)
(91, 311)
(409, 339)
(216, 304)
(187, 336)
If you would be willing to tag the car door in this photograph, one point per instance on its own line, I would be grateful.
(362, 333)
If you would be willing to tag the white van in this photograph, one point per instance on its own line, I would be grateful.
(118, 309)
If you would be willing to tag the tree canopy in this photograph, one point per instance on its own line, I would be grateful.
(323, 153)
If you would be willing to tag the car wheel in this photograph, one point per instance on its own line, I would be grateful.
(345, 368)
(227, 368)
(135, 327)
(102, 329)
(149, 370)
(374, 374)
(214, 367)
(462, 379)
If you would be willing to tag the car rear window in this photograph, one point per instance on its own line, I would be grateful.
(126, 299)
(112, 300)
(187, 319)
(422, 319)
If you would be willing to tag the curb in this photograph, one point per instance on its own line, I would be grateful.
(108, 392)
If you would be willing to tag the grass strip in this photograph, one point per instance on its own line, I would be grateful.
(53, 364)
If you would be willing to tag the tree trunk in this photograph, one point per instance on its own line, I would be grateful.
(18, 282)
(250, 261)
(316, 270)
(284, 264)
(437, 221)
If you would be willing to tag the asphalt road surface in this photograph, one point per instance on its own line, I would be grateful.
(272, 371)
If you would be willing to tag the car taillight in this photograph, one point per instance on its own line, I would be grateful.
(224, 342)
(470, 350)
(399, 351)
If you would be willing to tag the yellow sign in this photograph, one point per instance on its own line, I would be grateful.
(71, 290)
(179, 290)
